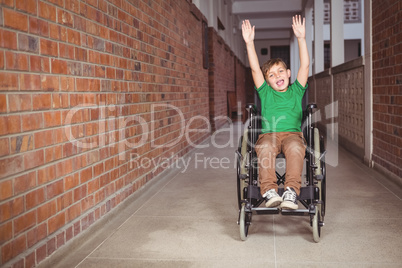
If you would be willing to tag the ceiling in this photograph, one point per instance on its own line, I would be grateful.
(272, 18)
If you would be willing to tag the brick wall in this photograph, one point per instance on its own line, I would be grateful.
(221, 78)
(387, 85)
(240, 83)
(89, 92)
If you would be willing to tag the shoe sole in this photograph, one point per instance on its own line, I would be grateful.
(289, 205)
(274, 202)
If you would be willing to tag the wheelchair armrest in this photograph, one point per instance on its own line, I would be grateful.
(252, 108)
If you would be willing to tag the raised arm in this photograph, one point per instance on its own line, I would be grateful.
(248, 36)
(299, 29)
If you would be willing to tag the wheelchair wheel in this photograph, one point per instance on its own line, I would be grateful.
(324, 180)
(244, 222)
(242, 158)
(317, 219)
(319, 148)
(317, 225)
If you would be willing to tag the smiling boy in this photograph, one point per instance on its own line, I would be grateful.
(281, 113)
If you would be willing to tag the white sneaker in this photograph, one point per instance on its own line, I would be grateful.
(289, 199)
(272, 198)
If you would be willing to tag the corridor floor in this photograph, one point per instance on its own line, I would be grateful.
(188, 218)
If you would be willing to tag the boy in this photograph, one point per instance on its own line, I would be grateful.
(282, 113)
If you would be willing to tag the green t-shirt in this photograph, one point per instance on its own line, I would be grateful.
(281, 111)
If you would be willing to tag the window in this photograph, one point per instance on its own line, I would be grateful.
(282, 52)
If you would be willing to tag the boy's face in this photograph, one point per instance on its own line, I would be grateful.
(278, 77)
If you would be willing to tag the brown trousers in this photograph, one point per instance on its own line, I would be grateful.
(268, 146)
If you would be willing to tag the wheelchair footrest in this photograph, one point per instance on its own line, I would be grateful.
(262, 211)
(295, 212)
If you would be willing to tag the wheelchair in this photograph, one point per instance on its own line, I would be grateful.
(312, 195)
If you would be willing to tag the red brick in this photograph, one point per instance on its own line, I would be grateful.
(51, 246)
(73, 212)
(48, 47)
(4, 148)
(11, 165)
(11, 209)
(87, 203)
(19, 102)
(24, 182)
(60, 240)
(72, 5)
(110, 73)
(84, 84)
(64, 201)
(46, 211)
(34, 198)
(12, 249)
(66, 51)
(58, 32)
(30, 259)
(33, 159)
(30, 82)
(43, 138)
(6, 232)
(49, 83)
(80, 193)
(59, 66)
(56, 222)
(10, 124)
(63, 168)
(67, 83)
(47, 11)
(27, 6)
(65, 18)
(46, 174)
(6, 189)
(9, 3)
(60, 100)
(52, 118)
(1, 60)
(15, 20)
(24, 222)
(21, 143)
(59, 3)
(71, 181)
(3, 103)
(41, 253)
(32, 121)
(86, 175)
(74, 37)
(36, 234)
(8, 81)
(53, 153)
(38, 27)
(41, 102)
(8, 39)
(55, 189)
(93, 186)
(16, 61)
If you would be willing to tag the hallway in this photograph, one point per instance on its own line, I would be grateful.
(186, 217)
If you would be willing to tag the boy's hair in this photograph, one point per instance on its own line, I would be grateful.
(268, 65)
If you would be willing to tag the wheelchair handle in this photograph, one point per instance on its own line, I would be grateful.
(251, 108)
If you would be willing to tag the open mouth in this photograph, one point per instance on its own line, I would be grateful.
(280, 83)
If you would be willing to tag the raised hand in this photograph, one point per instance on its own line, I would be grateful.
(247, 31)
(299, 27)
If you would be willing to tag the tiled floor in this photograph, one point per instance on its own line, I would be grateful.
(188, 218)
